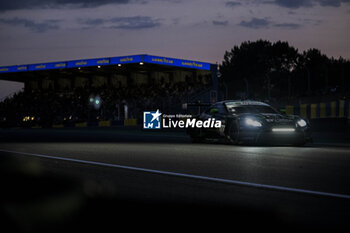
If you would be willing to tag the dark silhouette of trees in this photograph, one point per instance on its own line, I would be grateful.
(265, 70)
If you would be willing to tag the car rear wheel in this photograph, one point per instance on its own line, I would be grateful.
(233, 134)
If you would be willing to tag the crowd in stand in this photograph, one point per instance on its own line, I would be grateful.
(48, 107)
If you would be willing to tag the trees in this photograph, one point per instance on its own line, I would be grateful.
(265, 70)
(244, 67)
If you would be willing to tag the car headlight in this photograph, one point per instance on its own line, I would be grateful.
(301, 123)
(251, 122)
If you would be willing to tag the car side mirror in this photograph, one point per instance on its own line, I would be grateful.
(214, 111)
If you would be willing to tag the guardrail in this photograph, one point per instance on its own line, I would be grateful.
(107, 123)
(332, 109)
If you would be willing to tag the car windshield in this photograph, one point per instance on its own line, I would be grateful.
(250, 109)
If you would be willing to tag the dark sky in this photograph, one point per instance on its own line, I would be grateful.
(33, 31)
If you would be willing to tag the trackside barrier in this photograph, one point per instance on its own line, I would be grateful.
(81, 124)
(130, 122)
(109, 123)
(117, 123)
(104, 123)
(333, 109)
(58, 126)
(326, 116)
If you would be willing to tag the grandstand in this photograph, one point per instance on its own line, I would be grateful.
(104, 91)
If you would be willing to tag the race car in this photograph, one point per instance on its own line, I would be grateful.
(251, 122)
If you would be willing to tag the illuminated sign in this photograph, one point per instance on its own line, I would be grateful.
(38, 67)
(195, 65)
(59, 65)
(109, 61)
(160, 60)
(88, 62)
(102, 61)
(126, 59)
(176, 62)
(4, 69)
(8, 69)
(47, 66)
(21, 68)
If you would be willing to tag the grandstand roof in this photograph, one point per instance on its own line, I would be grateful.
(106, 61)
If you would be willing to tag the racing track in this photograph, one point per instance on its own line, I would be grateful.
(159, 176)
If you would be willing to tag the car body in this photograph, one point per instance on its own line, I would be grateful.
(248, 121)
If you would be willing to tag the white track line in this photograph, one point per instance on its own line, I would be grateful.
(205, 178)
